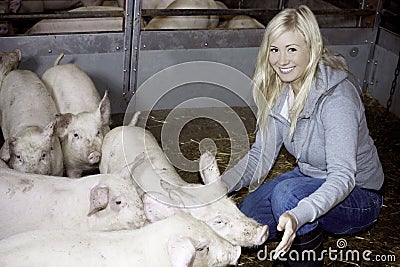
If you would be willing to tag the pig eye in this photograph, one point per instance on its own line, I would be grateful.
(117, 203)
(203, 249)
(44, 155)
(98, 133)
(219, 221)
(76, 135)
(18, 157)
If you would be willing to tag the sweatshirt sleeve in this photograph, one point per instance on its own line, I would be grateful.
(340, 116)
(255, 165)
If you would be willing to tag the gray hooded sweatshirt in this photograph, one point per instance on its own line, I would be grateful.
(331, 141)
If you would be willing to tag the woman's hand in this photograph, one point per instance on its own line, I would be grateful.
(288, 223)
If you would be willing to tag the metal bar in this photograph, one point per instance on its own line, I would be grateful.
(370, 61)
(61, 15)
(281, 4)
(209, 39)
(378, 10)
(371, 64)
(250, 12)
(47, 45)
(134, 50)
(128, 32)
(363, 7)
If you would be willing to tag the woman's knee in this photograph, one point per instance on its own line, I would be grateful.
(284, 196)
(287, 194)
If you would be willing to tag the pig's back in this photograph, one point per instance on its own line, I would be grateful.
(72, 89)
(33, 201)
(25, 102)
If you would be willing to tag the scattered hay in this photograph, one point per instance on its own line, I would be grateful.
(382, 239)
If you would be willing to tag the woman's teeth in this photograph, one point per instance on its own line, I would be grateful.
(286, 70)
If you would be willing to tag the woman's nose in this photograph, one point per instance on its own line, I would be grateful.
(283, 59)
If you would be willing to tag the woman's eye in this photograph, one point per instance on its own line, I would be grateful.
(273, 50)
(292, 49)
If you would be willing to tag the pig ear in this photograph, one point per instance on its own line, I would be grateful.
(104, 109)
(181, 251)
(5, 153)
(209, 171)
(157, 206)
(62, 122)
(48, 132)
(135, 118)
(14, 5)
(99, 197)
(18, 51)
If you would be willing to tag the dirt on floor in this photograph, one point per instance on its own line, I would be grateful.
(377, 246)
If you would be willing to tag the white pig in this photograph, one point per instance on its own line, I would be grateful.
(84, 119)
(31, 6)
(179, 240)
(156, 4)
(106, 24)
(186, 22)
(8, 61)
(244, 22)
(3, 164)
(124, 145)
(96, 202)
(28, 118)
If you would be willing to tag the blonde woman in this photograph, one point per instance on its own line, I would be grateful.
(307, 102)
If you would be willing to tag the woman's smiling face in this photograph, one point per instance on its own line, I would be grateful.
(289, 57)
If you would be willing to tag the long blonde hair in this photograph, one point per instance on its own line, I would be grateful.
(267, 85)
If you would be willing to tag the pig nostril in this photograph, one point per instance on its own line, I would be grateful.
(94, 157)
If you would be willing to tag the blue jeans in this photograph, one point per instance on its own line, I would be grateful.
(355, 213)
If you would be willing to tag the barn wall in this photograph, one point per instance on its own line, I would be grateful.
(100, 55)
(123, 62)
(385, 60)
(234, 50)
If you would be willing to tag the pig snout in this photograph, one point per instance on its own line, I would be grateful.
(94, 157)
(262, 235)
(3, 28)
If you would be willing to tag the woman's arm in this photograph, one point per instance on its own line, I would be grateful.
(255, 165)
(340, 115)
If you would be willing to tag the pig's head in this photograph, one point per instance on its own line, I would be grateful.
(116, 203)
(13, 5)
(82, 136)
(9, 61)
(201, 246)
(31, 150)
(209, 204)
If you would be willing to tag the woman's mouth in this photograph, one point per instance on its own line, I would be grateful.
(286, 70)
